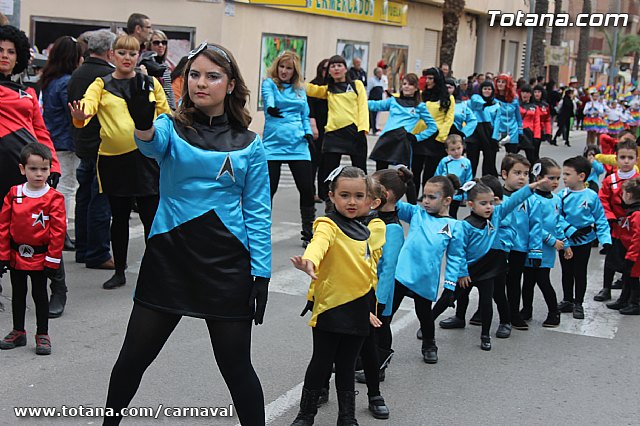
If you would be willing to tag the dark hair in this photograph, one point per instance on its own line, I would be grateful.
(487, 83)
(546, 163)
(376, 190)
(579, 164)
(479, 188)
(64, 58)
(394, 180)
(412, 79)
(449, 184)
(632, 186)
(510, 160)
(626, 134)
(320, 79)
(493, 183)
(21, 42)
(591, 150)
(179, 69)
(337, 59)
(134, 20)
(35, 148)
(234, 103)
(424, 72)
(349, 172)
(526, 88)
(626, 144)
(439, 92)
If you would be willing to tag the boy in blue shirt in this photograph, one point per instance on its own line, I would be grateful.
(455, 163)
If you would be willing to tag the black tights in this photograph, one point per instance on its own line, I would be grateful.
(574, 272)
(485, 291)
(330, 161)
(330, 348)
(120, 212)
(302, 175)
(19, 299)
(147, 332)
(423, 312)
(371, 362)
(423, 168)
(514, 284)
(540, 276)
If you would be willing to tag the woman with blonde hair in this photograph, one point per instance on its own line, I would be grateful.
(287, 132)
(159, 44)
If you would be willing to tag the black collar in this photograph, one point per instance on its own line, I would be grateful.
(545, 194)
(505, 191)
(477, 221)
(407, 102)
(633, 208)
(352, 228)
(201, 118)
(389, 217)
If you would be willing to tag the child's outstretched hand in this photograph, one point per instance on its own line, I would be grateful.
(464, 282)
(568, 253)
(374, 321)
(305, 266)
(543, 181)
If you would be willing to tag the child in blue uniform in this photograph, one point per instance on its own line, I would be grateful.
(455, 163)
(582, 209)
(537, 271)
(597, 168)
(477, 237)
(464, 119)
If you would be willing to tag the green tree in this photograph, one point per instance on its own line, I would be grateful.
(556, 40)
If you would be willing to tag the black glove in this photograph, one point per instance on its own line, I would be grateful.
(308, 307)
(535, 263)
(412, 138)
(274, 112)
(140, 109)
(381, 308)
(606, 248)
(628, 266)
(50, 272)
(449, 296)
(4, 267)
(577, 236)
(309, 139)
(53, 180)
(259, 293)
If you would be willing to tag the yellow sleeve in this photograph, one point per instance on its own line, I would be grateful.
(443, 129)
(90, 101)
(607, 159)
(324, 234)
(162, 106)
(316, 91)
(363, 107)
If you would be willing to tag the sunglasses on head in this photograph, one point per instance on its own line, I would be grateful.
(159, 42)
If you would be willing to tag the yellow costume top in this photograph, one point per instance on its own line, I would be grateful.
(347, 104)
(444, 120)
(345, 254)
(611, 160)
(106, 97)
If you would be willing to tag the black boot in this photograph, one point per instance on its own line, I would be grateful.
(603, 295)
(430, 352)
(56, 304)
(117, 280)
(623, 299)
(346, 408)
(308, 408)
(378, 407)
(308, 215)
(633, 307)
(324, 397)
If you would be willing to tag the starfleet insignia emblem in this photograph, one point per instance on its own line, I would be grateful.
(522, 208)
(490, 227)
(412, 111)
(227, 167)
(39, 219)
(25, 250)
(24, 94)
(585, 204)
(625, 224)
(349, 89)
(367, 253)
(445, 230)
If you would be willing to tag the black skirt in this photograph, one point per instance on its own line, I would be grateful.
(351, 318)
(393, 147)
(128, 175)
(430, 148)
(347, 141)
(489, 266)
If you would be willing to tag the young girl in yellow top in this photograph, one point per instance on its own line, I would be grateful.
(342, 260)
(347, 122)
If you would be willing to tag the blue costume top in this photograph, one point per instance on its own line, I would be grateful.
(483, 114)
(405, 113)
(552, 224)
(596, 170)
(464, 118)
(394, 239)
(478, 234)
(284, 137)
(460, 167)
(525, 227)
(420, 259)
(212, 230)
(583, 209)
(508, 121)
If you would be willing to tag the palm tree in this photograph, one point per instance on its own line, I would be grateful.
(556, 39)
(451, 13)
(537, 42)
(583, 47)
(628, 44)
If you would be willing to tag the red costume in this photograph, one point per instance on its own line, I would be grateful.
(545, 118)
(531, 119)
(611, 198)
(21, 123)
(630, 238)
(32, 228)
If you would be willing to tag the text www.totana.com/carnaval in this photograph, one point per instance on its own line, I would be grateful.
(155, 412)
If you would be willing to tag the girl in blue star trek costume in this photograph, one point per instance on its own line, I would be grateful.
(209, 250)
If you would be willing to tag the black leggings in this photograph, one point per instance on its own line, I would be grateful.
(500, 297)
(120, 212)
(330, 161)
(423, 312)
(489, 153)
(514, 283)
(574, 272)
(19, 299)
(302, 175)
(564, 125)
(330, 348)
(485, 290)
(540, 276)
(316, 159)
(423, 168)
(147, 332)
(371, 363)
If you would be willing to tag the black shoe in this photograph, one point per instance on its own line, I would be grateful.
(526, 314)
(430, 353)
(485, 343)
(519, 324)
(603, 295)
(476, 319)
(308, 408)
(324, 396)
(567, 144)
(631, 309)
(578, 311)
(419, 334)
(56, 305)
(69, 244)
(617, 305)
(347, 408)
(553, 320)
(452, 322)
(617, 285)
(114, 282)
(565, 306)
(378, 408)
(504, 331)
(553, 142)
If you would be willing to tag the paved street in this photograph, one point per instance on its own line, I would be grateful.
(585, 372)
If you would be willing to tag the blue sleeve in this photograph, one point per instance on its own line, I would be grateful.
(256, 210)
(304, 115)
(405, 211)
(157, 147)
(394, 236)
(598, 167)
(561, 234)
(567, 228)
(535, 229)
(441, 170)
(384, 105)
(432, 127)
(268, 93)
(476, 102)
(468, 173)
(602, 225)
(471, 122)
(512, 202)
(516, 106)
(456, 257)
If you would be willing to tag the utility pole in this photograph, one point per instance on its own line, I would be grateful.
(613, 70)
(527, 56)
